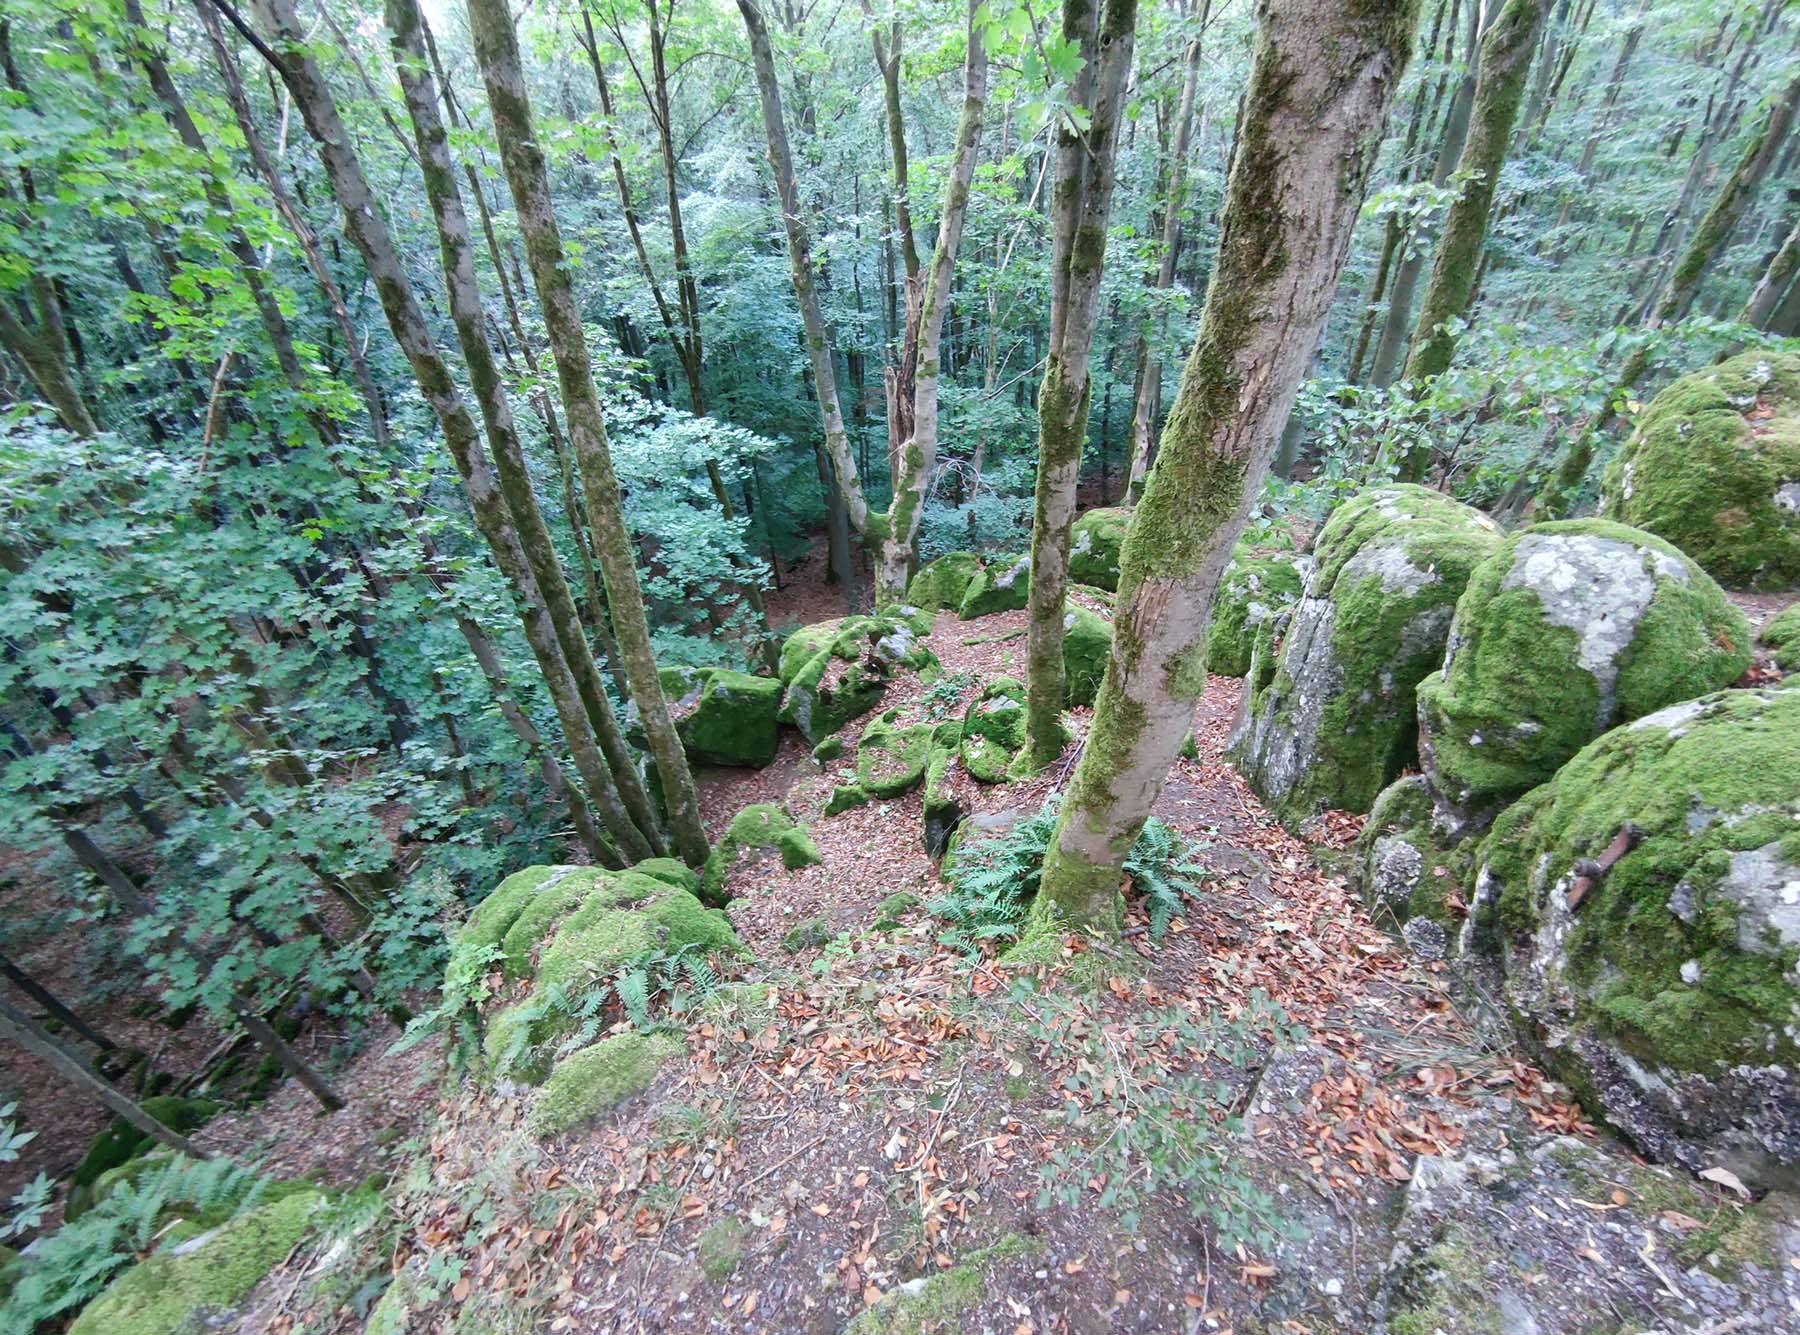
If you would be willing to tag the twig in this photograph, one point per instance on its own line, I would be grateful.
(783, 1162)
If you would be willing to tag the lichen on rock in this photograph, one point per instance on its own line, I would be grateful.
(1333, 722)
(1646, 907)
(1255, 588)
(1568, 630)
(1714, 467)
(1412, 861)
(836, 671)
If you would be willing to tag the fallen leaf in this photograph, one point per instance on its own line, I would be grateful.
(1726, 1178)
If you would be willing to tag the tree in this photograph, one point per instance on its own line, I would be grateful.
(888, 536)
(497, 51)
(1080, 208)
(1321, 79)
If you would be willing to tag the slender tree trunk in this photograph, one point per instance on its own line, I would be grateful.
(53, 1006)
(1081, 208)
(44, 355)
(496, 51)
(1321, 79)
(19, 1028)
(1774, 281)
(1506, 50)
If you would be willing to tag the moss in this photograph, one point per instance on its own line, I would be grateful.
(1781, 637)
(494, 916)
(1003, 585)
(1095, 541)
(838, 670)
(936, 1302)
(944, 582)
(889, 912)
(760, 825)
(1707, 465)
(1254, 589)
(184, 1287)
(1406, 865)
(993, 730)
(670, 872)
(598, 1079)
(829, 749)
(722, 1248)
(122, 1142)
(1655, 959)
(728, 718)
(1442, 1292)
(891, 760)
(554, 901)
(845, 797)
(1518, 694)
(1086, 648)
(808, 935)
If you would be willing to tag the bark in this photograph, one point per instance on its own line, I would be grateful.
(44, 354)
(1081, 204)
(1321, 79)
(369, 234)
(53, 1006)
(1775, 280)
(1506, 51)
(19, 1028)
(1148, 396)
(496, 51)
(888, 62)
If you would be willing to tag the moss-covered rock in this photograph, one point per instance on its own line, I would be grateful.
(760, 825)
(1332, 723)
(194, 1284)
(847, 797)
(1413, 865)
(1087, 645)
(1646, 907)
(838, 670)
(1714, 467)
(1781, 639)
(596, 1079)
(122, 1142)
(889, 912)
(722, 1247)
(1095, 541)
(943, 810)
(1568, 630)
(1002, 585)
(1255, 588)
(944, 582)
(890, 758)
(935, 1302)
(724, 717)
(993, 730)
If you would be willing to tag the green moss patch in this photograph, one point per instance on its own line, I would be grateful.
(1253, 591)
(944, 582)
(1087, 646)
(1095, 541)
(761, 825)
(890, 759)
(1781, 638)
(1003, 585)
(838, 670)
(993, 730)
(936, 1302)
(724, 717)
(597, 1079)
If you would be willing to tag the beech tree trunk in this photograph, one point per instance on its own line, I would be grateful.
(1321, 79)
(1081, 204)
(497, 52)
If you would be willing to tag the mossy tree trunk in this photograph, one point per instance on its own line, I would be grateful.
(1321, 79)
(497, 52)
(1080, 206)
(1715, 229)
(1505, 61)
(1775, 280)
(888, 537)
(289, 56)
(44, 354)
(1148, 395)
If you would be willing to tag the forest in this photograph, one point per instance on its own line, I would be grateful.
(894, 666)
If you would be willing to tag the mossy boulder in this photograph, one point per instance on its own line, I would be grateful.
(936, 1302)
(195, 1284)
(596, 1079)
(838, 670)
(943, 810)
(1254, 590)
(890, 758)
(1714, 467)
(1087, 645)
(1781, 639)
(762, 825)
(566, 929)
(1095, 541)
(1567, 631)
(122, 1142)
(1003, 585)
(1645, 904)
(724, 717)
(1413, 864)
(1332, 721)
(993, 730)
(944, 582)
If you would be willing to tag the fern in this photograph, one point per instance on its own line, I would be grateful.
(633, 989)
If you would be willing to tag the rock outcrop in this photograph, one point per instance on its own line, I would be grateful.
(838, 670)
(724, 717)
(1256, 588)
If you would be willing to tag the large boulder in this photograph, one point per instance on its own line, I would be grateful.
(944, 582)
(1645, 904)
(1095, 541)
(1333, 723)
(1255, 589)
(724, 717)
(1780, 639)
(1087, 645)
(993, 730)
(1714, 467)
(1003, 585)
(1567, 631)
(836, 671)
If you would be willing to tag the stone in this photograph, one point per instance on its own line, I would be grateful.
(724, 717)
(1645, 906)
(944, 582)
(837, 671)
(1780, 639)
(597, 1079)
(1087, 647)
(993, 730)
(1003, 585)
(1714, 467)
(1255, 589)
(890, 759)
(1331, 721)
(1095, 541)
(1413, 860)
(1567, 631)
(762, 825)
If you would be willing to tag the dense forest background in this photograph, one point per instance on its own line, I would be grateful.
(270, 707)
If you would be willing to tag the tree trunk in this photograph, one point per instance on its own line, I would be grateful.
(1774, 281)
(1321, 79)
(496, 51)
(53, 1006)
(1081, 207)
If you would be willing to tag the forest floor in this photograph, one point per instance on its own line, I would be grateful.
(890, 1117)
